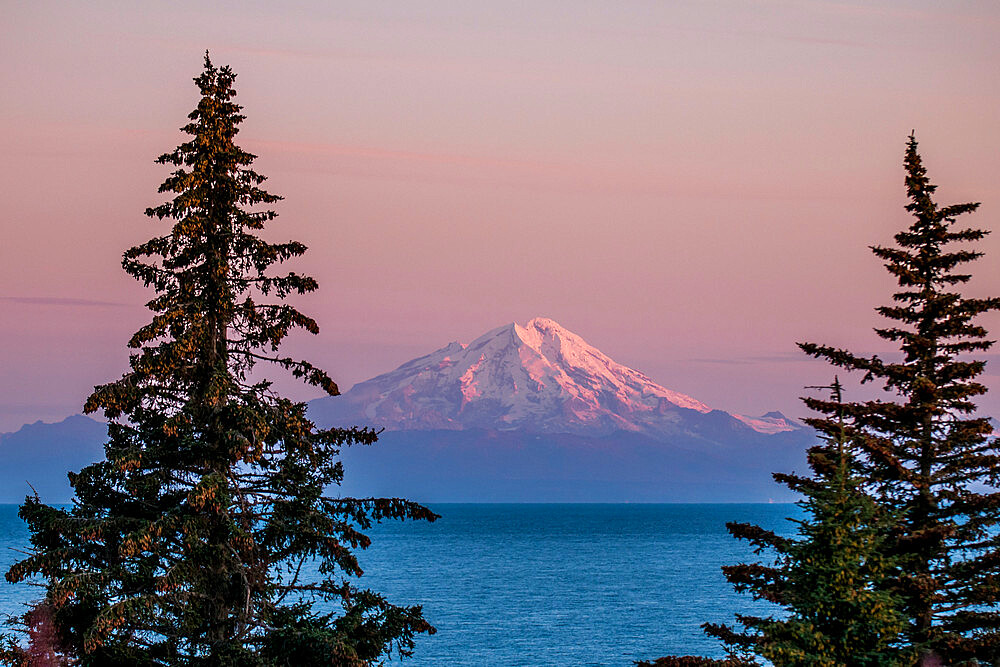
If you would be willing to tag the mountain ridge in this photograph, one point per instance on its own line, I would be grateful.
(37, 456)
(528, 413)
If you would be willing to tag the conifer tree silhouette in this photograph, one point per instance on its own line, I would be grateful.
(923, 458)
(206, 537)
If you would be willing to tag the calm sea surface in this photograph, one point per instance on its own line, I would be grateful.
(538, 585)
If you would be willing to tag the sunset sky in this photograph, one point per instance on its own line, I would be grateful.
(691, 186)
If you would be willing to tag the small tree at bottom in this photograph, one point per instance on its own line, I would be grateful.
(831, 579)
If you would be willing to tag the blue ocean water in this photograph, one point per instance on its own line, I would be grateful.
(539, 585)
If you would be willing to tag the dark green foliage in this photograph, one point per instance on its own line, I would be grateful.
(693, 661)
(831, 579)
(924, 455)
(205, 537)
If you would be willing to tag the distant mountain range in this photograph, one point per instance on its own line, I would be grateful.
(527, 413)
(38, 456)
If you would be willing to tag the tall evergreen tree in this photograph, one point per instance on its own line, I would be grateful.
(922, 474)
(924, 455)
(205, 537)
(899, 556)
(831, 578)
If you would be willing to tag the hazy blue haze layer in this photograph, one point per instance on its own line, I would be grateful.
(545, 584)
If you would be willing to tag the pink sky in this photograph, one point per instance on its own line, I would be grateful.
(689, 186)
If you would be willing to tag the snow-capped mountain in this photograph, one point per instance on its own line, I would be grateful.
(538, 378)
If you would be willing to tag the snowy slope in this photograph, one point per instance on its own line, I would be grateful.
(539, 378)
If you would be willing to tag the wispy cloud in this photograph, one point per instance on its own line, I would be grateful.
(747, 361)
(867, 9)
(63, 301)
(993, 360)
(384, 163)
(395, 155)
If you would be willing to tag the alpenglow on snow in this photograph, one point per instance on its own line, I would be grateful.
(539, 378)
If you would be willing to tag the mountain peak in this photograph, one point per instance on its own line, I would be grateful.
(543, 332)
(544, 324)
(539, 377)
(770, 422)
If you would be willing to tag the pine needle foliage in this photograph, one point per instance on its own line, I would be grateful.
(695, 661)
(924, 455)
(206, 537)
(831, 578)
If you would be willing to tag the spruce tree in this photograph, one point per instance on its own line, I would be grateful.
(206, 537)
(832, 578)
(923, 546)
(924, 454)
